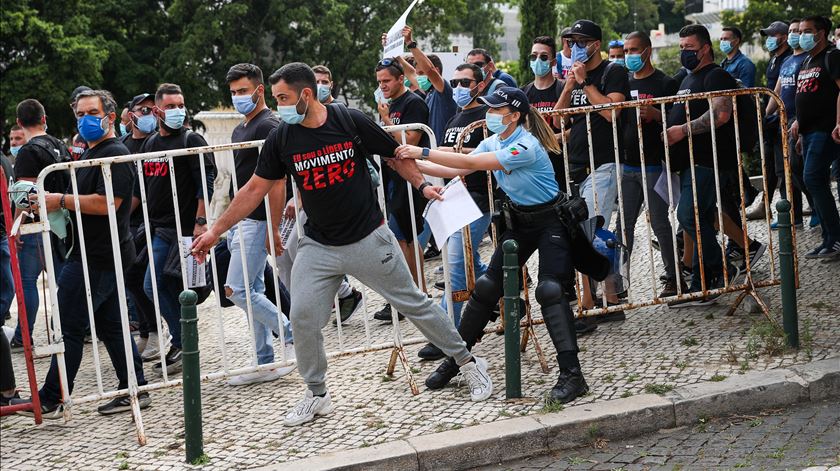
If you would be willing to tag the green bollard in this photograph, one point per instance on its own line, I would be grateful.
(513, 371)
(193, 440)
(790, 316)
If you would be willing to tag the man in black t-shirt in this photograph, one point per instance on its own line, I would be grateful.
(40, 151)
(817, 126)
(167, 224)
(96, 113)
(403, 107)
(697, 56)
(638, 177)
(344, 233)
(592, 81)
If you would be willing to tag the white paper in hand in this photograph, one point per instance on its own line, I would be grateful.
(455, 211)
(661, 188)
(394, 43)
(195, 270)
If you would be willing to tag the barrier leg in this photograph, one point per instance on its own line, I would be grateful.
(193, 440)
(790, 316)
(513, 373)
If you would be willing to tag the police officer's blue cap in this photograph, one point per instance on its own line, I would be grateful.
(507, 96)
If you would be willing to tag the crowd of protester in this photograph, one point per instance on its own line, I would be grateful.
(326, 147)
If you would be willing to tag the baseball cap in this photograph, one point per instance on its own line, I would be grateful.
(507, 96)
(586, 28)
(776, 27)
(139, 99)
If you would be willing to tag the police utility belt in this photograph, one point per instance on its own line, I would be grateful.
(569, 210)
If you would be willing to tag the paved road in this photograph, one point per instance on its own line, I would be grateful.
(804, 436)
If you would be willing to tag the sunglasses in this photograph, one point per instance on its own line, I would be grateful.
(579, 43)
(145, 110)
(388, 62)
(464, 82)
(543, 57)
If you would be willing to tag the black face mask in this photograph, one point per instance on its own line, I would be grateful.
(689, 59)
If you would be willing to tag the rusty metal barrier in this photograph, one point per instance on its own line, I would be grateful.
(751, 284)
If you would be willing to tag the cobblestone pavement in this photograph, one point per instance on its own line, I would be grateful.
(655, 349)
(803, 436)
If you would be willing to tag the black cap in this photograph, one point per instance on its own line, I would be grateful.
(776, 27)
(77, 90)
(586, 28)
(139, 99)
(507, 96)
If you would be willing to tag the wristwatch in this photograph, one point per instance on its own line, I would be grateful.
(411, 45)
(200, 221)
(423, 187)
(426, 151)
(587, 82)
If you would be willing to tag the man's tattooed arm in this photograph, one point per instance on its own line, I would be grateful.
(722, 107)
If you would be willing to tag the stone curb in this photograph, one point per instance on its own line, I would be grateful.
(578, 425)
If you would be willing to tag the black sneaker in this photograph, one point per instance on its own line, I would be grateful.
(431, 253)
(430, 352)
(757, 249)
(570, 385)
(5, 401)
(440, 285)
(48, 411)
(444, 373)
(173, 362)
(123, 404)
(733, 272)
(585, 326)
(348, 306)
(384, 314)
(16, 345)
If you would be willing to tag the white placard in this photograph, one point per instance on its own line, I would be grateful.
(455, 211)
(661, 188)
(195, 270)
(394, 42)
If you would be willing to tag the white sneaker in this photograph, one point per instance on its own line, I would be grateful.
(255, 377)
(309, 407)
(290, 356)
(475, 373)
(141, 343)
(152, 350)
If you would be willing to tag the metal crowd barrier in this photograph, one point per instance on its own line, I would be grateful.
(634, 291)
(55, 344)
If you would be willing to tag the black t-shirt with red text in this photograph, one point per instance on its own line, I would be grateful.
(655, 85)
(331, 175)
(816, 92)
(544, 100)
(475, 182)
(187, 180)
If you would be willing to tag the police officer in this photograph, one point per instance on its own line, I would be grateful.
(518, 156)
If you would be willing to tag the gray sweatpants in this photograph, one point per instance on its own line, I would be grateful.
(377, 262)
(631, 190)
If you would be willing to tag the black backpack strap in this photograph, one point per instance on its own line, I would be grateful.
(345, 120)
(603, 86)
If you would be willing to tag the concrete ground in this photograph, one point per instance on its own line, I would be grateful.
(654, 350)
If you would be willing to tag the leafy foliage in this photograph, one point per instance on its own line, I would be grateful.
(760, 13)
(539, 18)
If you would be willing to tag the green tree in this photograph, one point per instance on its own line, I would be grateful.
(760, 13)
(539, 18)
(604, 12)
(672, 14)
(644, 16)
(483, 20)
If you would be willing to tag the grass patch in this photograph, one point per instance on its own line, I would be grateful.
(632, 377)
(654, 388)
(755, 422)
(765, 338)
(717, 378)
(387, 379)
(709, 316)
(505, 413)
(820, 305)
(690, 324)
(806, 339)
(123, 465)
(204, 459)
(609, 378)
(626, 394)
(414, 370)
(779, 454)
(690, 342)
(552, 406)
(121, 455)
(682, 364)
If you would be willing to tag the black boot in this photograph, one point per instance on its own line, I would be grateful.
(443, 374)
(570, 386)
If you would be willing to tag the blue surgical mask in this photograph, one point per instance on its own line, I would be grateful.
(462, 96)
(289, 113)
(579, 54)
(771, 43)
(424, 83)
(494, 122)
(244, 104)
(619, 61)
(807, 42)
(147, 124)
(793, 40)
(380, 97)
(540, 67)
(174, 118)
(635, 62)
(14, 150)
(726, 47)
(123, 129)
(92, 128)
(323, 92)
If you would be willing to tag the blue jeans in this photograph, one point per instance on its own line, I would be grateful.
(32, 264)
(707, 211)
(7, 285)
(819, 151)
(168, 293)
(423, 237)
(455, 259)
(74, 319)
(603, 183)
(264, 311)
